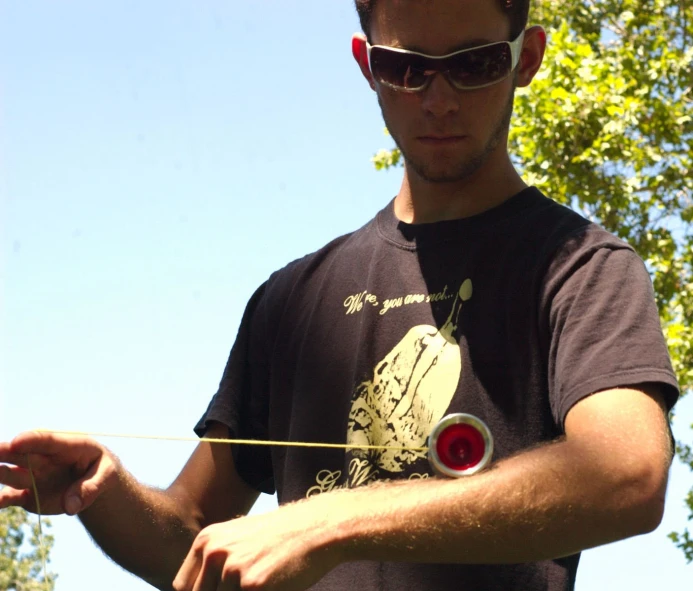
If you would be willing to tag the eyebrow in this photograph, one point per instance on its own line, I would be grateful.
(466, 45)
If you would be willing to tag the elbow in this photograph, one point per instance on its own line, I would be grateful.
(651, 508)
(648, 516)
(643, 496)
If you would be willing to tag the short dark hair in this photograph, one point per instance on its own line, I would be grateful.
(516, 10)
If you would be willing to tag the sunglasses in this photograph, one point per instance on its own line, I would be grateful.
(476, 67)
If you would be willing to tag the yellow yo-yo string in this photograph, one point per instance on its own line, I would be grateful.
(241, 441)
(42, 548)
(305, 444)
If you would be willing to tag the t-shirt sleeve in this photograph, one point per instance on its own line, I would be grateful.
(604, 325)
(241, 401)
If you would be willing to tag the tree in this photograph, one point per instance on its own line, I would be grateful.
(607, 128)
(21, 560)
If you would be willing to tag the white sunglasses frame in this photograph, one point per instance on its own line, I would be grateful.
(515, 51)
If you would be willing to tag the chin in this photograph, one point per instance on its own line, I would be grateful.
(452, 173)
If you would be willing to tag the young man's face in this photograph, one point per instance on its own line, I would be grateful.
(445, 134)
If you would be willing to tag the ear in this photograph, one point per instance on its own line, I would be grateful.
(532, 55)
(360, 53)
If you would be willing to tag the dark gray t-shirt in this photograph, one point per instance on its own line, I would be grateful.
(513, 315)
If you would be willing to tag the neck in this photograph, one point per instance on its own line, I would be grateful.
(420, 201)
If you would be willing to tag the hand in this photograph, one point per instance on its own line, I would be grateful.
(70, 472)
(285, 550)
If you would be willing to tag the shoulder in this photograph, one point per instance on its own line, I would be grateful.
(570, 241)
(309, 271)
(592, 254)
(564, 230)
(313, 265)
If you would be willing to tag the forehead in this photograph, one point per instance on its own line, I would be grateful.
(438, 27)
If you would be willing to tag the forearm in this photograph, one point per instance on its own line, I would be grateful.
(549, 502)
(145, 530)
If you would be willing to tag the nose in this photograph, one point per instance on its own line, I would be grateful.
(440, 98)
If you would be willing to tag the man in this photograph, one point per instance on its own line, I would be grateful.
(469, 292)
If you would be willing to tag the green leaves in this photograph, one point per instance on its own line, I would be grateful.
(611, 114)
(607, 128)
(21, 564)
(385, 159)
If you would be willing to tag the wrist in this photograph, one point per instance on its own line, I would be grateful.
(336, 526)
(114, 481)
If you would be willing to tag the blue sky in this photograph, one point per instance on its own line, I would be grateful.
(157, 161)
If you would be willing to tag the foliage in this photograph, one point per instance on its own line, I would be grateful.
(21, 564)
(385, 159)
(607, 127)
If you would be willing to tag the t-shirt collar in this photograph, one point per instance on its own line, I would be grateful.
(412, 236)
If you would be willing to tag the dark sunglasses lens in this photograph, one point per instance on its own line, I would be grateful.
(401, 70)
(480, 67)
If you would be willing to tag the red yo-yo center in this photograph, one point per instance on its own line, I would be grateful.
(460, 446)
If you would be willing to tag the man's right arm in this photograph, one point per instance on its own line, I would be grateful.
(146, 530)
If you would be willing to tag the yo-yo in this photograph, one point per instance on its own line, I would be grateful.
(459, 445)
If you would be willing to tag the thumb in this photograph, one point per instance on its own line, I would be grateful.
(85, 491)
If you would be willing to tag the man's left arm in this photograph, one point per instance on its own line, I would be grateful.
(604, 481)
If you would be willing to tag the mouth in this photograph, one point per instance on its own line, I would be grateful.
(441, 140)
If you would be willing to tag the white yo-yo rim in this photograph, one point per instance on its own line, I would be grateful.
(455, 419)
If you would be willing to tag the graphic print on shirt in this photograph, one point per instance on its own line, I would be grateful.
(410, 391)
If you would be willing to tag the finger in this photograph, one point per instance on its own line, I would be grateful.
(84, 492)
(187, 573)
(210, 574)
(15, 477)
(44, 442)
(8, 457)
(11, 497)
(229, 581)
